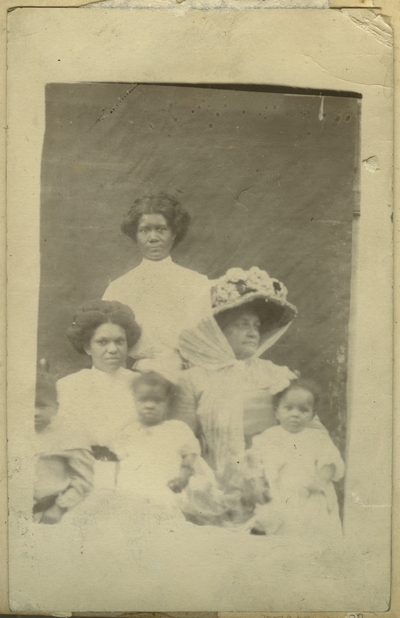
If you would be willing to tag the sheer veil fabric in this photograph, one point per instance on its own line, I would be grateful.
(228, 382)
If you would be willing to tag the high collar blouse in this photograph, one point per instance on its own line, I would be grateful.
(165, 298)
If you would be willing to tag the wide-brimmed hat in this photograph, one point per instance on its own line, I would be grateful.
(268, 296)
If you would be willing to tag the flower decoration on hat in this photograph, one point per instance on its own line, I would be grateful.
(238, 282)
(238, 287)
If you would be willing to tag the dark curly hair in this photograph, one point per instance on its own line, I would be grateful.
(170, 392)
(303, 384)
(93, 314)
(176, 216)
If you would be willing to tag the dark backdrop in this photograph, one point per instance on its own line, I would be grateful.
(269, 179)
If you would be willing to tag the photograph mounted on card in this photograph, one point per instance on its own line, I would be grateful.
(194, 301)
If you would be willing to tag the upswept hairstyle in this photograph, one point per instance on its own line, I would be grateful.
(307, 385)
(171, 392)
(176, 216)
(93, 314)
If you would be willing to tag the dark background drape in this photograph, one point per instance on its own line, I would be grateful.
(269, 178)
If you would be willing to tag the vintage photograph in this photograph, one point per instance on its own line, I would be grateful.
(199, 311)
(192, 343)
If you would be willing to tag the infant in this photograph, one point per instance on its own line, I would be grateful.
(300, 464)
(156, 454)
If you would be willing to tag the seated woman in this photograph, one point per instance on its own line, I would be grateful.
(97, 402)
(164, 296)
(229, 389)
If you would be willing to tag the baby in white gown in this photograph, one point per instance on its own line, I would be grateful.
(300, 465)
(156, 455)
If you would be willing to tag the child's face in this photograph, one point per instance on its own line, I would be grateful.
(43, 416)
(151, 404)
(295, 410)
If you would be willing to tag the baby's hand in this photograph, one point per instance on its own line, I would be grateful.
(53, 515)
(177, 484)
(321, 480)
(327, 472)
(317, 486)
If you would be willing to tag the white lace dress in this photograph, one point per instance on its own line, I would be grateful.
(150, 457)
(291, 462)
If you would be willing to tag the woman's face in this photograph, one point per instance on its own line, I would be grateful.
(154, 237)
(108, 348)
(243, 333)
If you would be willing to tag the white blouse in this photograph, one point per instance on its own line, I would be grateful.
(96, 404)
(165, 298)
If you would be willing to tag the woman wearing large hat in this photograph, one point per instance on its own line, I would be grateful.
(229, 388)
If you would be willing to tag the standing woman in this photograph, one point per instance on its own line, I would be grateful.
(165, 297)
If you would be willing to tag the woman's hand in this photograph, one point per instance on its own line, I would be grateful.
(151, 352)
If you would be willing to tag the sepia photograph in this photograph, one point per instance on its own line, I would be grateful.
(194, 408)
(193, 319)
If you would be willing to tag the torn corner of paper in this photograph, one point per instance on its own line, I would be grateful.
(376, 25)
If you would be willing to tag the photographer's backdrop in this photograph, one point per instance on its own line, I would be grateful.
(270, 180)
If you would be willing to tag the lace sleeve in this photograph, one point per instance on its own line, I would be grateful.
(281, 377)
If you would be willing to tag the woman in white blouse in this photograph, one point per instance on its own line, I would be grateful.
(98, 402)
(165, 297)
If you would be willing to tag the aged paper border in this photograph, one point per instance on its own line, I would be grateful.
(388, 9)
